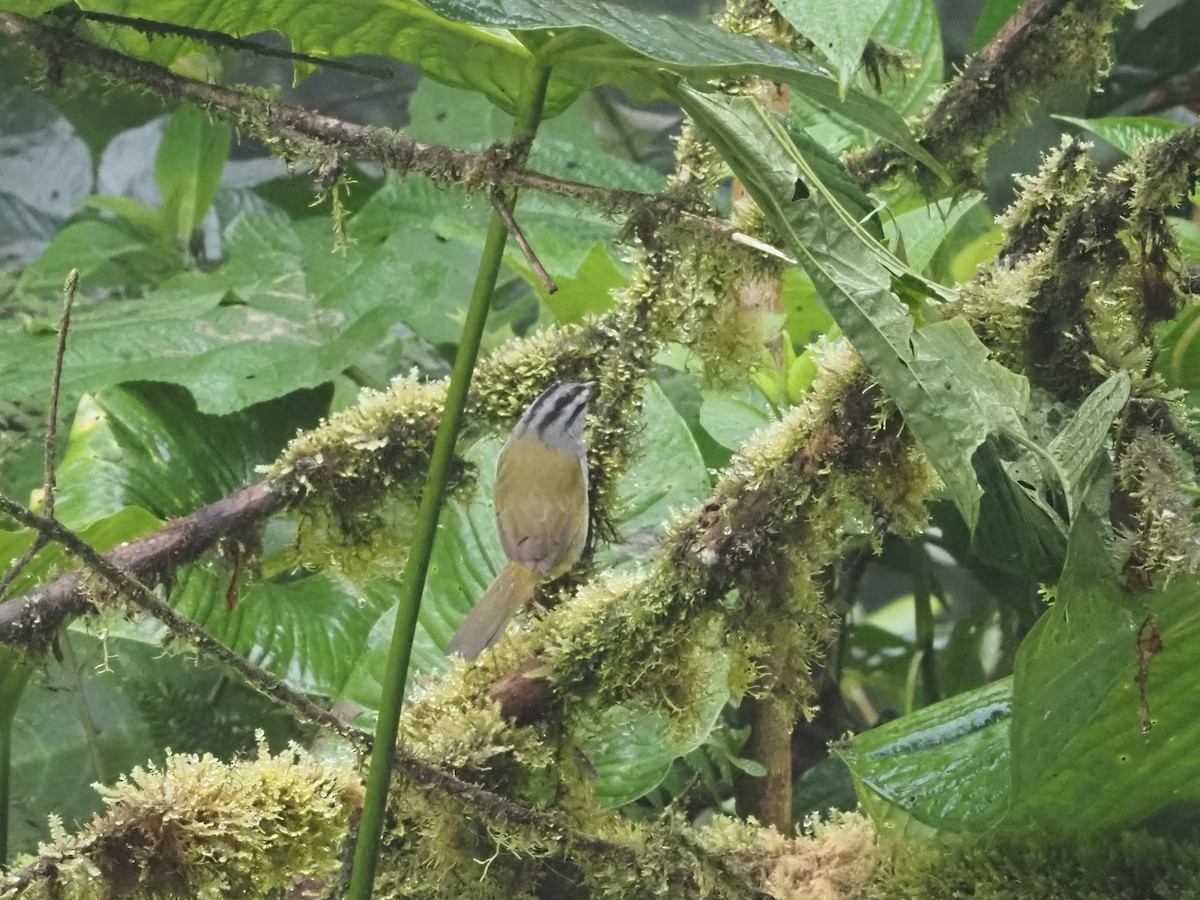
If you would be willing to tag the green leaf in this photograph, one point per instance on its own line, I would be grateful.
(96, 248)
(991, 20)
(190, 160)
(599, 43)
(1078, 447)
(1187, 235)
(113, 704)
(632, 749)
(30, 8)
(146, 445)
(1017, 531)
(912, 27)
(488, 47)
(839, 31)
(144, 221)
(587, 291)
(945, 765)
(823, 787)
(668, 475)
(835, 178)
(1127, 133)
(922, 231)
(950, 393)
(312, 628)
(1179, 360)
(576, 246)
(282, 314)
(729, 420)
(1089, 746)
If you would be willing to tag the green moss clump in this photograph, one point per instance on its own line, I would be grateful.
(203, 828)
(339, 472)
(847, 859)
(1131, 866)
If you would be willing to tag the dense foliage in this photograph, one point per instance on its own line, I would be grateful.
(893, 492)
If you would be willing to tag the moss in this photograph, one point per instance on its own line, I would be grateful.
(1131, 866)
(777, 516)
(340, 473)
(446, 844)
(845, 858)
(203, 828)
(1158, 535)
(1087, 268)
(834, 860)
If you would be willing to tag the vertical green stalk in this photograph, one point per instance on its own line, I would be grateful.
(6, 722)
(408, 605)
(14, 675)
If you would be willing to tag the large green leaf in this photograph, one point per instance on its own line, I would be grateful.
(111, 704)
(576, 245)
(1017, 530)
(29, 7)
(1127, 133)
(951, 394)
(146, 445)
(631, 749)
(283, 313)
(489, 46)
(1100, 707)
(995, 13)
(945, 765)
(730, 420)
(920, 232)
(839, 31)
(1078, 447)
(105, 253)
(311, 628)
(190, 160)
(910, 26)
(1104, 702)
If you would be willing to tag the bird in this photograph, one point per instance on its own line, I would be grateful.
(541, 503)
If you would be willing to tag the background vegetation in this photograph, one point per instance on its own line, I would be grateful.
(894, 543)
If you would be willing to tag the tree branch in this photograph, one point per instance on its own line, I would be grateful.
(1042, 42)
(32, 620)
(313, 133)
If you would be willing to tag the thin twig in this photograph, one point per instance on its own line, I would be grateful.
(19, 565)
(181, 627)
(69, 288)
(221, 39)
(518, 235)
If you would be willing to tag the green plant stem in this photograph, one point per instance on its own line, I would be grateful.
(5, 784)
(15, 676)
(408, 605)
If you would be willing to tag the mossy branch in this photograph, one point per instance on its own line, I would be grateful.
(1044, 43)
(297, 133)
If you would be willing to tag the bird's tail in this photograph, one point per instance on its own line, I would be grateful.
(511, 590)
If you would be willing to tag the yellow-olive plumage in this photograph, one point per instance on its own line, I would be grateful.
(541, 501)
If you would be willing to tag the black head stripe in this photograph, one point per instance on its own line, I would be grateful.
(560, 407)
